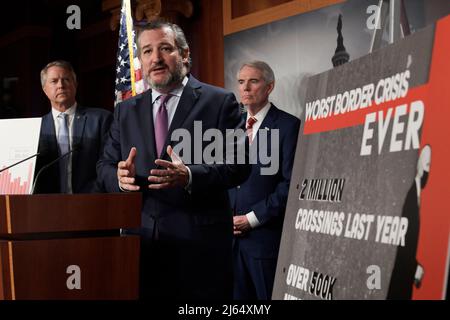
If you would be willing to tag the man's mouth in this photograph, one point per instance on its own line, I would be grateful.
(158, 69)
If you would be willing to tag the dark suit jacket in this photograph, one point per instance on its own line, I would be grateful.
(266, 195)
(90, 129)
(405, 265)
(196, 226)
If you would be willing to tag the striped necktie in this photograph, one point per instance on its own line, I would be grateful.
(250, 122)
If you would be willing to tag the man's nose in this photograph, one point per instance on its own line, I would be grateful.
(156, 56)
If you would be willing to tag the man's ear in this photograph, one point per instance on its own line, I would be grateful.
(185, 55)
(270, 87)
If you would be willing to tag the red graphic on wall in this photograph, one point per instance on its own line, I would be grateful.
(10, 185)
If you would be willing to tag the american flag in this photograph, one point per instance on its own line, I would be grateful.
(129, 80)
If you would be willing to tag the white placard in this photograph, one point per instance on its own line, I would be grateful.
(19, 139)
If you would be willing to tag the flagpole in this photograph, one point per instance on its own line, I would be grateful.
(130, 39)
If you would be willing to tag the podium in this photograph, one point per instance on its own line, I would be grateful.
(69, 246)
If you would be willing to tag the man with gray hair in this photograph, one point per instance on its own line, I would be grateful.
(259, 204)
(68, 129)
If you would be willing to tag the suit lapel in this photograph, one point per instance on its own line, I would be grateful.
(144, 121)
(189, 97)
(270, 119)
(48, 136)
(48, 149)
(269, 123)
(79, 121)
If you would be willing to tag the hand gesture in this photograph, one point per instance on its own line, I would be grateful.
(174, 173)
(126, 172)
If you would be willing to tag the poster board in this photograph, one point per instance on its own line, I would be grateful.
(357, 226)
(19, 140)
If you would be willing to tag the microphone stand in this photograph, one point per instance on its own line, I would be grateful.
(15, 164)
(75, 148)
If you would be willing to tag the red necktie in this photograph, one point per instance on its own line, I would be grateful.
(250, 122)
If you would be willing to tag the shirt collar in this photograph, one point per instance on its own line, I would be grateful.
(71, 111)
(261, 113)
(175, 92)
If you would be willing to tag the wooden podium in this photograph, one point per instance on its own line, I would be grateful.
(69, 246)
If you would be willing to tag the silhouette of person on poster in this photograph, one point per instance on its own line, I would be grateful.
(407, 271)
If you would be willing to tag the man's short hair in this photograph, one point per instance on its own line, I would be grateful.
(180, 38)
(58, 63)
(266, 70)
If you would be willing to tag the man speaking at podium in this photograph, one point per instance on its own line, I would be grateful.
(70, 133)
(186, 227)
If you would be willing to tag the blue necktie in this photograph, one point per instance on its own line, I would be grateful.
(64, 147)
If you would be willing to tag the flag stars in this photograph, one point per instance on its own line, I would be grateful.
(123, 83)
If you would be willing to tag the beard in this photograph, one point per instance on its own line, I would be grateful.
(173, 78)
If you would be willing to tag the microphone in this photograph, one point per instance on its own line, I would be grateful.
(74, 148)
(19, 162)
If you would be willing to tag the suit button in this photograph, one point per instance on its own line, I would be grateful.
(238, 187)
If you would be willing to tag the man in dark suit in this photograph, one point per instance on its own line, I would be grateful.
(69, 127)
(407, 271)
(186, 215)
(259, 203)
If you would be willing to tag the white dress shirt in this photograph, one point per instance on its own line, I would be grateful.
(251, 216)
(171, 106)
